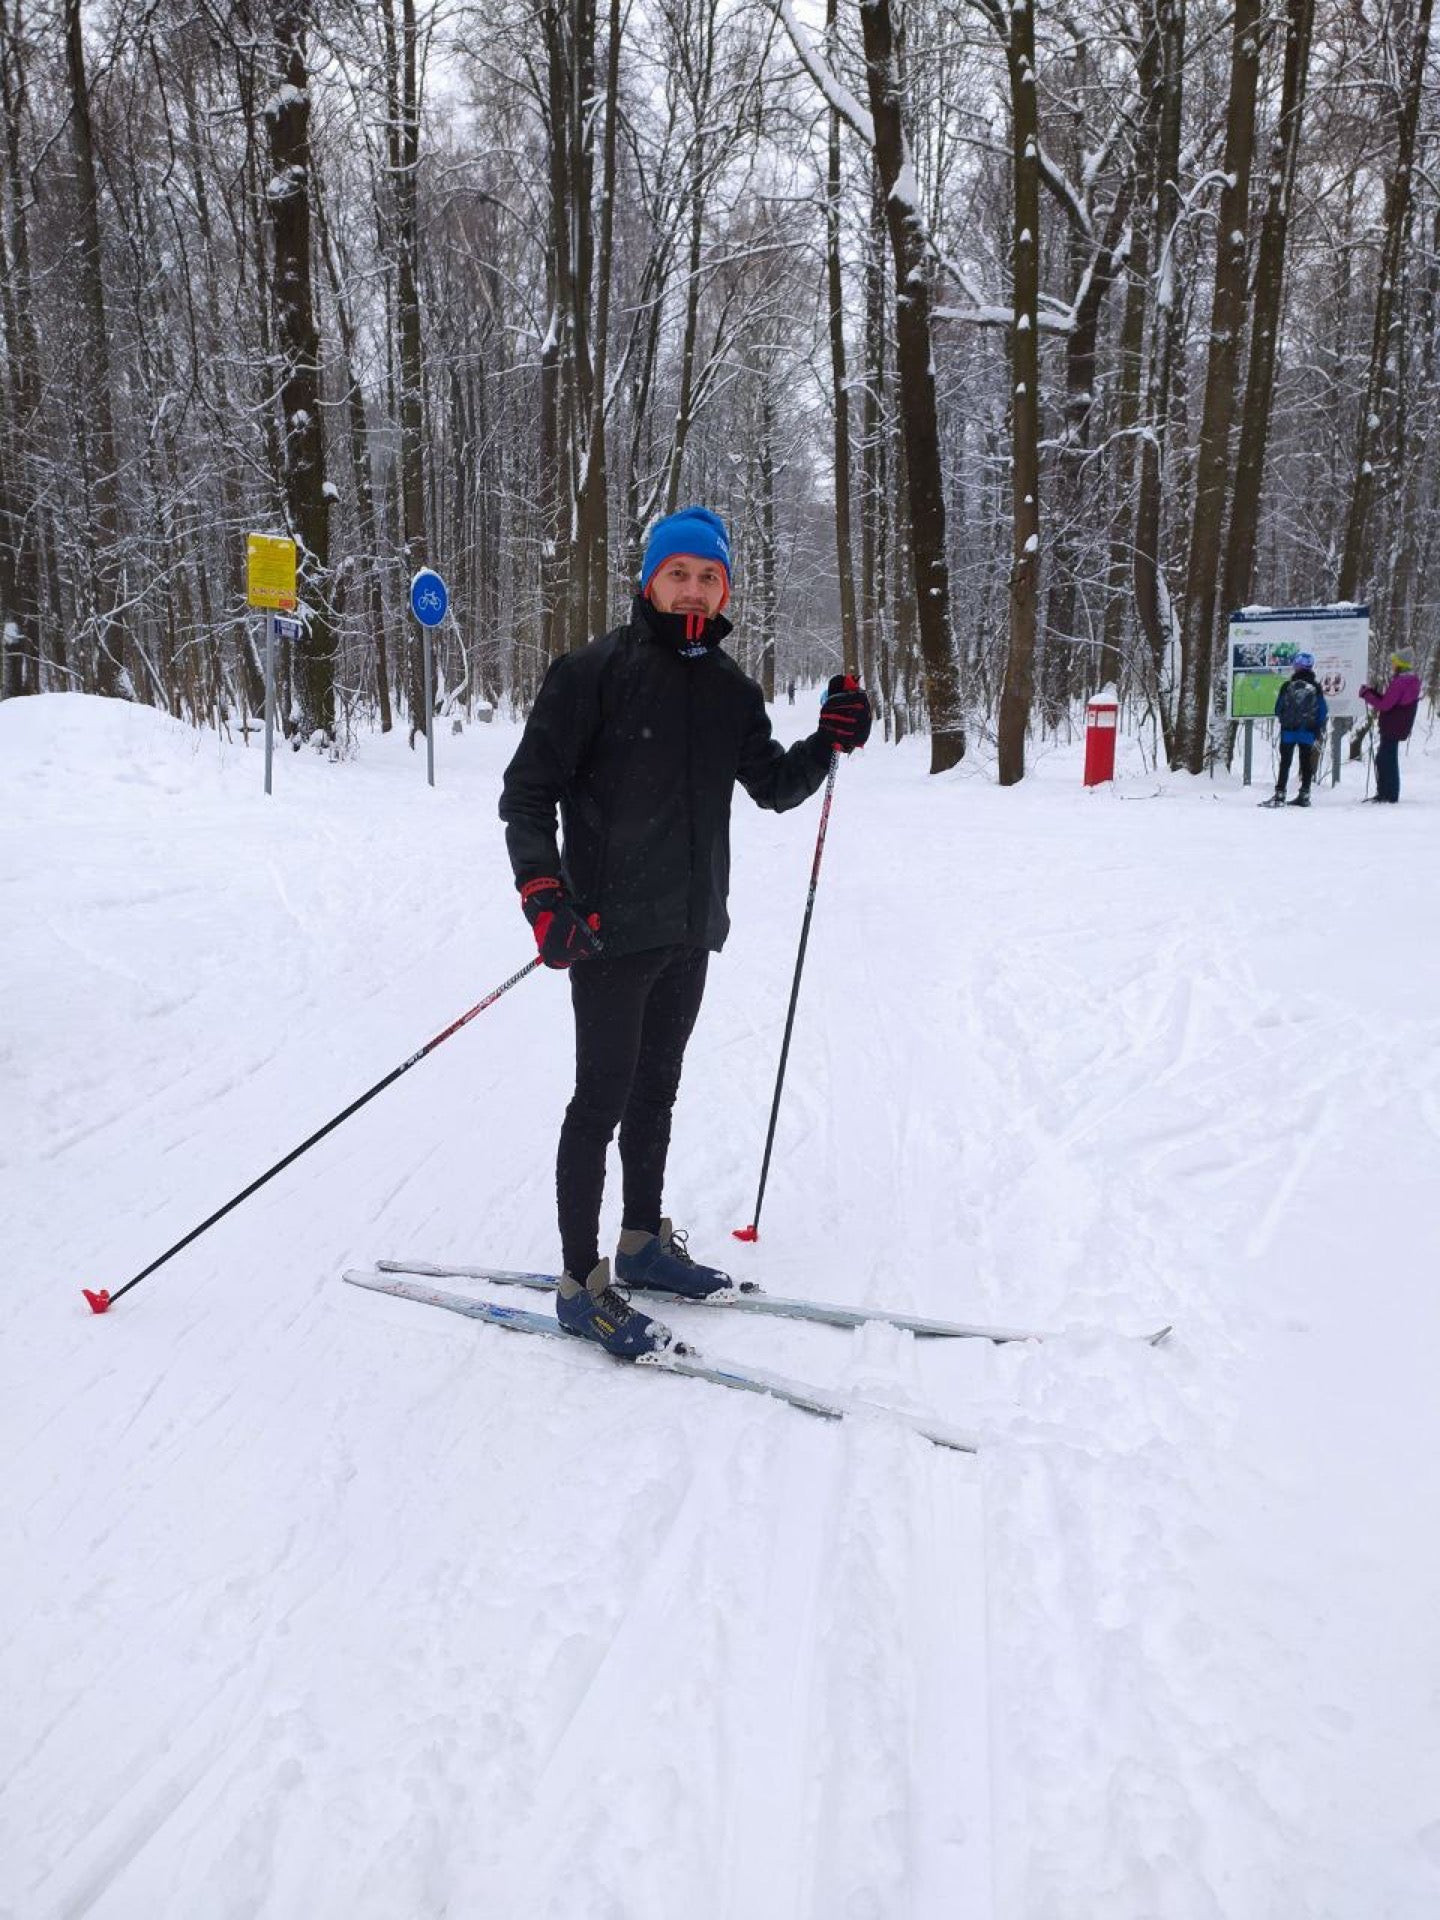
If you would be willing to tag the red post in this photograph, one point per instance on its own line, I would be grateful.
(1102, 719)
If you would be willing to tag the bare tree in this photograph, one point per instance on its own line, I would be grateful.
(1383, 366)
(20, 635)
(1017, 690)
(1227, 323)
(1265, 321)
(915, 372)
(111, 676)
(835, 290)
(287, 116)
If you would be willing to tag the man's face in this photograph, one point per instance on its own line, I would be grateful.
(684, 584)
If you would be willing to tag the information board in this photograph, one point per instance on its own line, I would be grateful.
(270, 572)
(1264, 644)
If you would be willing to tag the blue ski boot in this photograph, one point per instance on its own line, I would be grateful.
(663, 1262)
(597, 1312)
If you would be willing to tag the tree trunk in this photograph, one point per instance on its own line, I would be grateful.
(297, 344)
(111, 677)
(594, 503)
(1227, 330)
(638, 504)
(769, 595)
(1069, 664)
(568, 28)
(228, 582)
(368, 559)
(1355, 560)
(916, 371)
(1017, 688)
(1152, 599)
(569, 36)
(1265, 323)
(874, 464)
(403, 154)
(20, 618)
(849, 635)
(1132, 345)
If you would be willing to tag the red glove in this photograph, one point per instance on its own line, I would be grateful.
(560, 934)
(845, 714)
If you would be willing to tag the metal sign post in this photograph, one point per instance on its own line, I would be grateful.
(1337, 734)
(269, 695)
(270, 583)
(429, 709)
(429, 602)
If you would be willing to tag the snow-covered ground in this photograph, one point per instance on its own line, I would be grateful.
(318, 1605)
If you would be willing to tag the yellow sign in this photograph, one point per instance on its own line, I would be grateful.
(270, 572)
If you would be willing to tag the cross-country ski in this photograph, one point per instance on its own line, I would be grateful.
(750, 1298)
(676, 1357)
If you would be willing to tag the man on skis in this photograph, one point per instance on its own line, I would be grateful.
(1301, 710)
(637, 739)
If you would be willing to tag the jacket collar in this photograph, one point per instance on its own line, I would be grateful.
(681, 633)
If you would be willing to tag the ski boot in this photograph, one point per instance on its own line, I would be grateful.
(597, 1312)
(1277, 799)
(663, 1261)
(1302, 799)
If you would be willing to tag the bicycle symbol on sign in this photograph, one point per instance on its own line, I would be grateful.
(430, 601)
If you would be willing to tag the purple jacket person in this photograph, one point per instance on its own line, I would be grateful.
(1395, 709)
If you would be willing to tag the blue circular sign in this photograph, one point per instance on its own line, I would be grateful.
(429, 597)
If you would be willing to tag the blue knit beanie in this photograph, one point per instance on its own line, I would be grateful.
(693, 530)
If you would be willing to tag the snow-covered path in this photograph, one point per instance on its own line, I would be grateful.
(321, 1604)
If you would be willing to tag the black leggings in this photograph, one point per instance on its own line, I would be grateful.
(633, 1017)
(1309, 760)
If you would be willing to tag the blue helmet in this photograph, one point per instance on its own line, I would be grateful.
(1305, 660)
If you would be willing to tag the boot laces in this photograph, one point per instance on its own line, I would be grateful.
(617, 1304)
(678, 1248)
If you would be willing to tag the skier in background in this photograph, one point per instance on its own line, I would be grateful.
(638, 739)
(1395, 710)
(1301, 710)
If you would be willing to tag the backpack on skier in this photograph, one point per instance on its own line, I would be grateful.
(1298, 709)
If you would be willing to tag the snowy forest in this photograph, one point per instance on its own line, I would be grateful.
(1016, 344)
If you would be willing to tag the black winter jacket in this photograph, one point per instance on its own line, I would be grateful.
(639, 739)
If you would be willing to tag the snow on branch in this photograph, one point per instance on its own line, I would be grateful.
(825, 77)
(1066, 192)
(980, 315)
(906, 190)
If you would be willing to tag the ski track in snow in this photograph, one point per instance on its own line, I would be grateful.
(323, 1603)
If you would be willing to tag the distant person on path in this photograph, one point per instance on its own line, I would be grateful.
(637, 740)
(1301, 710)
(1395, 710)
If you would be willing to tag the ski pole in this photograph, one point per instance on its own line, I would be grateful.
(102, 1301)
(752, 1232)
